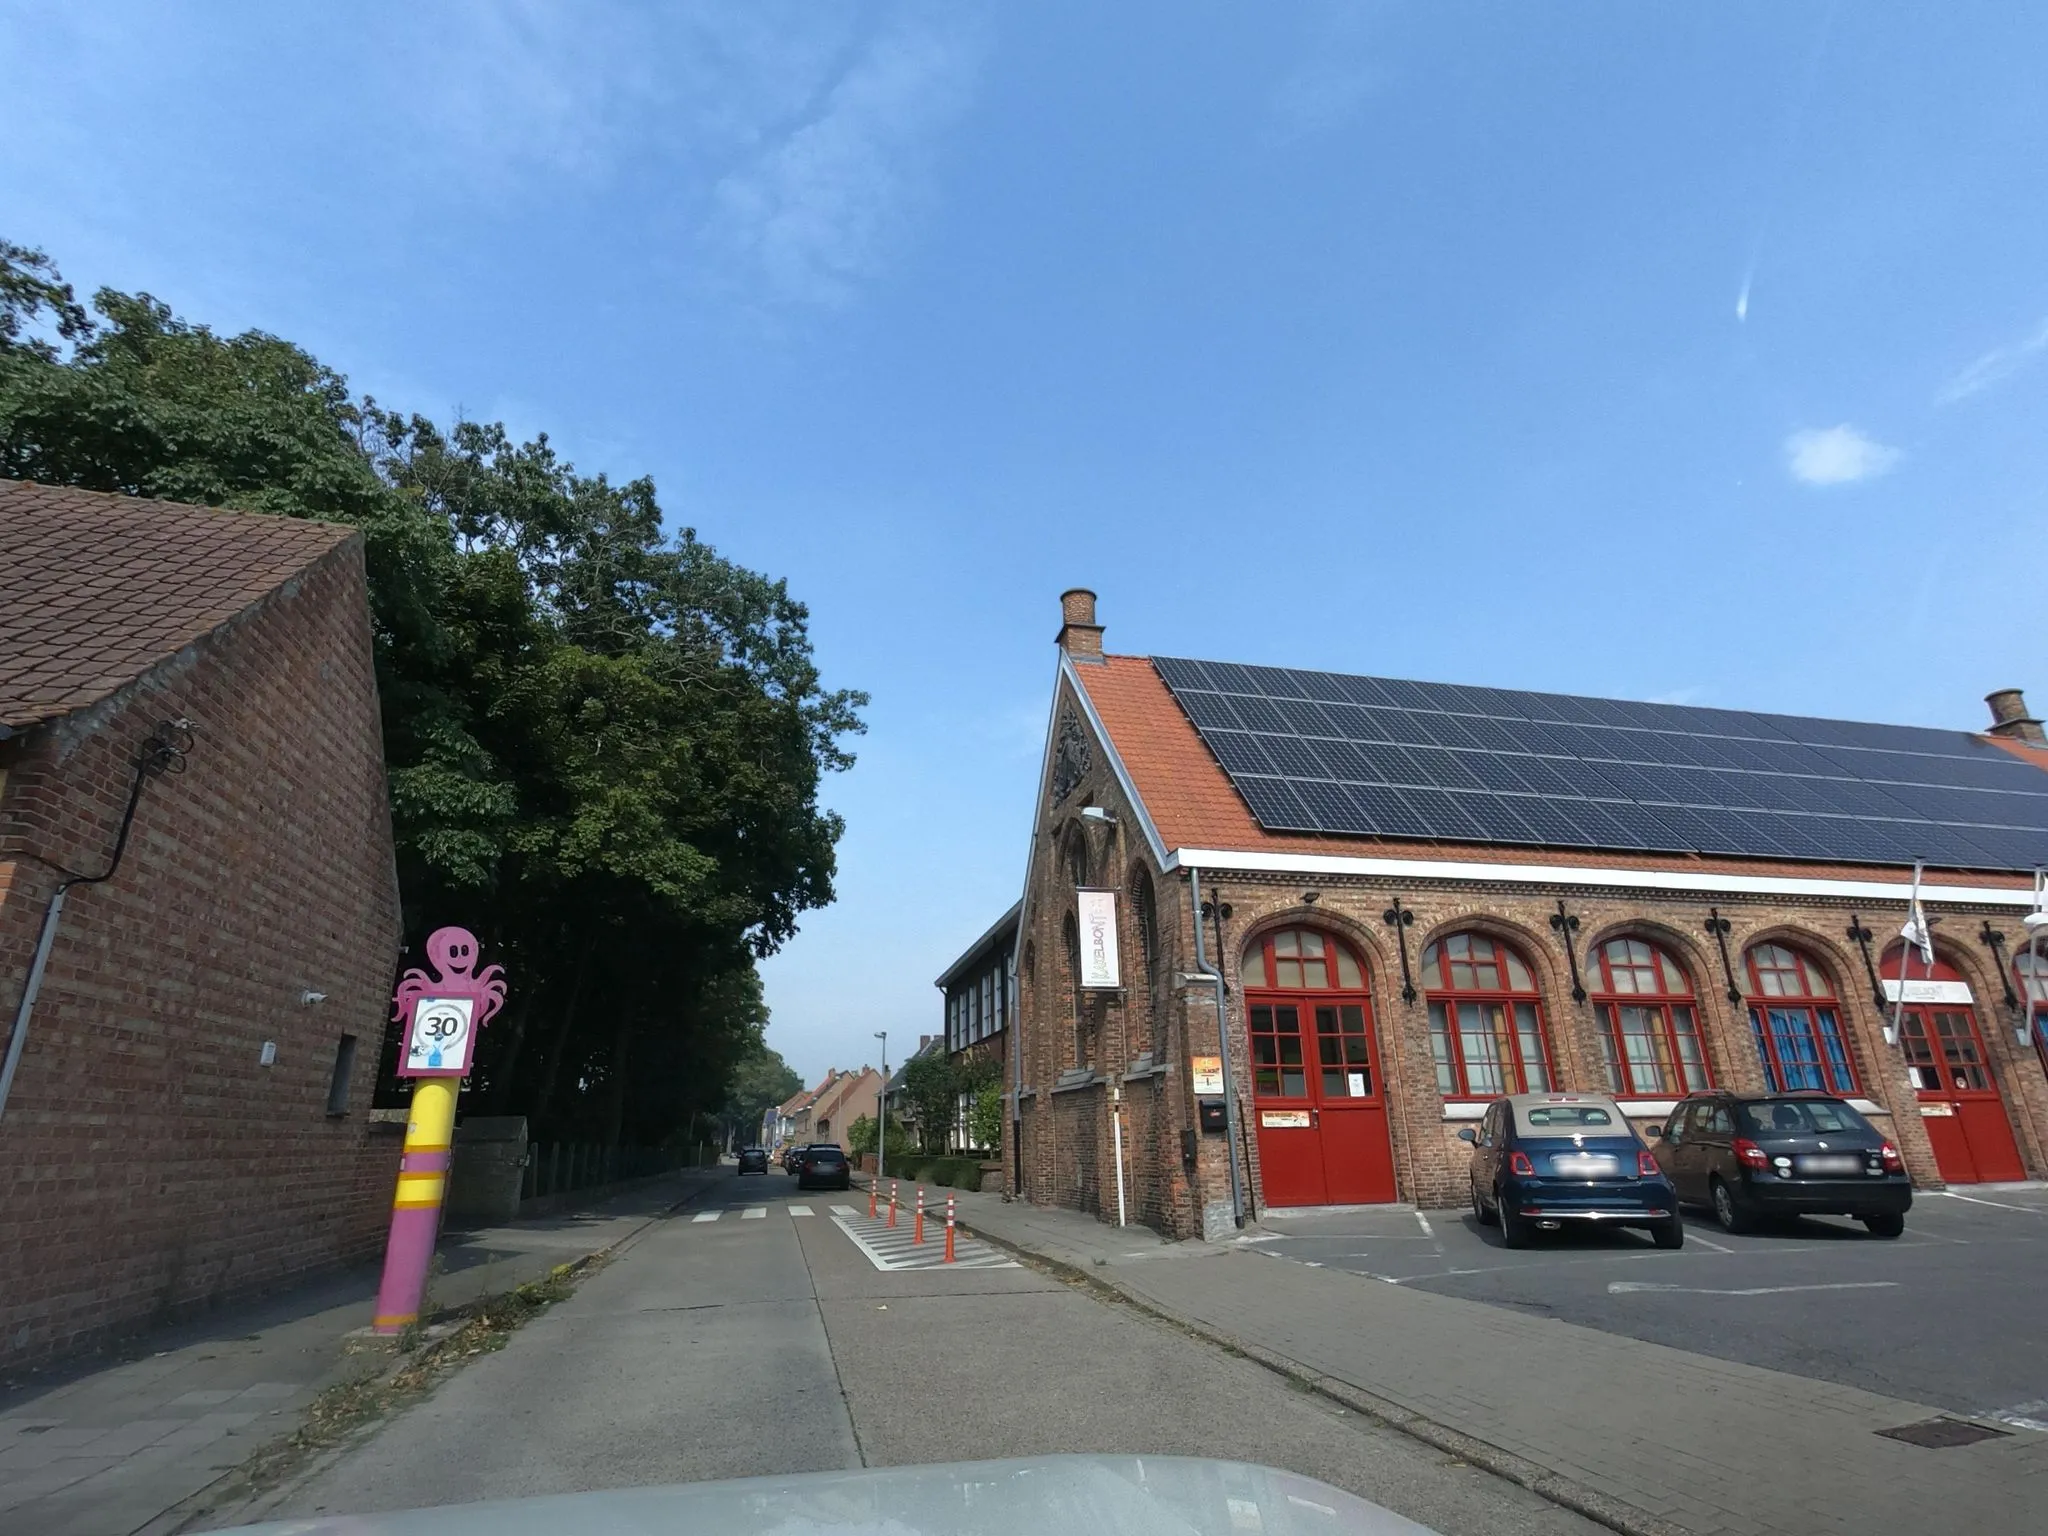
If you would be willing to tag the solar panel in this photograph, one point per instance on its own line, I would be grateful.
(1340, 753)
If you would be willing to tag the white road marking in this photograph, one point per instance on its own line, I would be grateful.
(1427, 1229)
(799, 1210)
(844, 1210)
(707, 1216)
(754, 1213)
(2032, 1415)
(1998, 1204)
(1625, 1287)
(1694, 1237)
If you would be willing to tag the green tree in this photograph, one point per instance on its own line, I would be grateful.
(985, 1118)
(761, 1079)
(605, 744)
(932, 1089)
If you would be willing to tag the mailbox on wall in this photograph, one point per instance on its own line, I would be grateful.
(1211, 1111)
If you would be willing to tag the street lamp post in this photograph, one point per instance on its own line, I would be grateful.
(882, 1111)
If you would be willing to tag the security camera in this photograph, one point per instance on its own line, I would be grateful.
(310, 998)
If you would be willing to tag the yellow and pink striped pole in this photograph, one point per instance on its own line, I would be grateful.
(416, 1209)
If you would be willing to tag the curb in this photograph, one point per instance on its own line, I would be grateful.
(1603, 1509)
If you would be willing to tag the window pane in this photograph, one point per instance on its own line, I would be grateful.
(1347, 970)
(1440, 1048)
(1334, 1086)
(1535, 1060)
(1315, 973)
(1287, 973)
(1287, 942)
(1293, 1082)
(1265, 1050)
(1266, 1080)
(1311, 943)
(1841, 1076)
(1675, 980)
(1290, 1050)
(1433, 977)
(1689, 1054)
(1609, 1057)
(1253, 971)
(1519, 978)
(1463, 978)
(1763, 1053)
(1481, 1050)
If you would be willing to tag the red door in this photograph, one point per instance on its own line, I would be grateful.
(1959, 1100)
(1318, 1091)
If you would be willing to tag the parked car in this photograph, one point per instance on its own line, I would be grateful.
(1540, 1160)
(824, 1166)
(753, 1160)
(1751, 1155)
(790, 1154)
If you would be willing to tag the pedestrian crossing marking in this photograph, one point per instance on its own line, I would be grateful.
(754, 1213)
(892, 1248)
(844, 1210)
(799, 1210)
(707, 1216)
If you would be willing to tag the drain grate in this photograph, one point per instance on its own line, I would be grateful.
(1940, 1434)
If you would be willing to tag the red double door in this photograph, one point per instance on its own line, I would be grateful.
(1952, 1073)
(1318, 1097)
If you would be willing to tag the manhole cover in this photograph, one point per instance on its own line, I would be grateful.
(1940, 1434)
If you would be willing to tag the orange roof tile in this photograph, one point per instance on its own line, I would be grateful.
(95, 589)
(1194, 805)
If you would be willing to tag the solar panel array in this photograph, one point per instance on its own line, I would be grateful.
(1329, 752)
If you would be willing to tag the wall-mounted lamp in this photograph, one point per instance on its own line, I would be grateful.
(310, 998)
(1098, 813)
(1311, 897)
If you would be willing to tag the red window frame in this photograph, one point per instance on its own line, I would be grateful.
(1804, 1009)
(1321, 1029)
(1673, 991)
(1445, 998)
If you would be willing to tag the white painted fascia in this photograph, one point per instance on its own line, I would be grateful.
(1116, 764)
(1704, 882)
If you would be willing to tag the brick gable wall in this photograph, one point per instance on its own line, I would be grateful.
(149, 1166)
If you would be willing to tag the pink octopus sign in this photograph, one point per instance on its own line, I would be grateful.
(444, 1012)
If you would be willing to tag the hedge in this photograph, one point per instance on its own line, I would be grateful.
(963, 1173)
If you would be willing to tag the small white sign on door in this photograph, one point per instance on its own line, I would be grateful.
(1356, 1084)
(1284, 1119)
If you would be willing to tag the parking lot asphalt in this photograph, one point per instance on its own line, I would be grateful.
(1948, 1314)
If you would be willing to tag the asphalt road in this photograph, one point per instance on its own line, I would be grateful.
(771, 1343)
(1949, 1314)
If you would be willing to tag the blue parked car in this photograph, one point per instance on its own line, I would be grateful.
(1540, 1160)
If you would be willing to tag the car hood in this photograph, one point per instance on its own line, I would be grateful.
(1113, 1495)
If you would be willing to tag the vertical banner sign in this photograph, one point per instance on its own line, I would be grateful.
(442, 1014)
(1098, 940)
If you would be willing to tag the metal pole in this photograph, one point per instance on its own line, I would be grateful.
(1116, 1126)
(19, 1037)
(882, 1114)
(1223, 1045)
(1918, 923)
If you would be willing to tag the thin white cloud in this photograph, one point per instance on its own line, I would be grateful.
(1995, 366)
(823, 203)
(1836, 456)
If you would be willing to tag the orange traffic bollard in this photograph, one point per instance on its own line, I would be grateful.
(892, 1202)
(917, 1221)
(949, 1229)
(873, 1185)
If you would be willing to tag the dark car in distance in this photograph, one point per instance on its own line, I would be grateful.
(1541, 1161)
(1747, 1156)
(753, 1160)
(823, 1166)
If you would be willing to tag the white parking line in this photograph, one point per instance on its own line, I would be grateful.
(799, 1210)
(1626, 1287)
(844, 1210)
(1427, 1229)
(754, 1213)
(707, 1216)
(1694, 1237)
(1998, 1204)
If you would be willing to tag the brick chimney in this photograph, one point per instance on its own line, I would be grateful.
(1080, 636)
(2009, 717)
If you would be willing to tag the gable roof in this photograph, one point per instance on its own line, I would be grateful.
(97, 589)
(1193, 804)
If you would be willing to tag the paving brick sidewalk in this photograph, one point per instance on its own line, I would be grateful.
(1683, 1441)
(114, 1450)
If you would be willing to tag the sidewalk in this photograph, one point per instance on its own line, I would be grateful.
(115, 1449)
(1643, 1437)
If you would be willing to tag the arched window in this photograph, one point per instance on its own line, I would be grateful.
(1797, 1023)
(1485, 1022)
(1649, 1022)
(1303, 960)
(2033, 979)
(1077, 858)
(1144, 997)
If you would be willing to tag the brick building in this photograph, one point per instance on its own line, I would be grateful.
(187, 1120)
(826, 1112)
(1421, 896)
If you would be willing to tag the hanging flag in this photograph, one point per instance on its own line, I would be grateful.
(1916, 934)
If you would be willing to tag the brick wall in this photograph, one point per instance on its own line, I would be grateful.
(1160, 1022)
(149, 1166)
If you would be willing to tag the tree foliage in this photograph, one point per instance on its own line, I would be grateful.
(604, 742)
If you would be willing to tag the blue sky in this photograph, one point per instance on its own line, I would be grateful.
(1697, 355)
